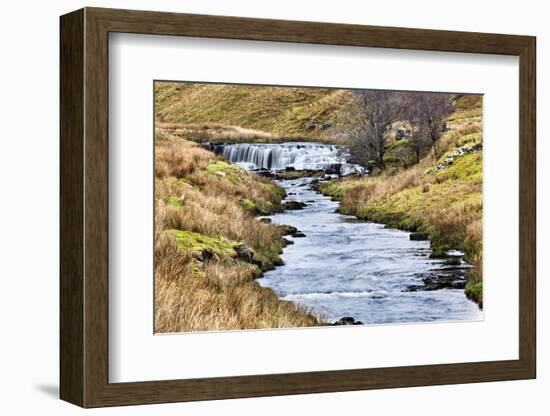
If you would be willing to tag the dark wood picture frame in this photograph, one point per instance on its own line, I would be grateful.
(84, 207)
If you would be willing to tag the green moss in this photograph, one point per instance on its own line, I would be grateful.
(468, 138)
(229, 171)
(183, 181)
(276, 191)
(474, 291)
(337, 188)
(396, 211)
(461, 115)
(249, 206)
(174, 201)
(396, 144)
(217, 166)
(261, 206)
(465, 167)
(399, 153)
(265, 207)
(187, 240)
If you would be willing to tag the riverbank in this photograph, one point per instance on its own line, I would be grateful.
(209, 246)
(440, 197)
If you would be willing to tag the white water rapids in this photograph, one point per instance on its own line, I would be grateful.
(297, 155)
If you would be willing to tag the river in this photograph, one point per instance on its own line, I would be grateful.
(345, 267)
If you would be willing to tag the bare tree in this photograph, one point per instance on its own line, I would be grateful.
(367, 125)
(419, 139)
(427, 112)
(374, 115)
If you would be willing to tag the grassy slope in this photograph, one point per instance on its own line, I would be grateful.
(205, 211)
(272, 112)
(445, 203)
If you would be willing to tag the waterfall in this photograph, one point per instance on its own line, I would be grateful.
(300, 156)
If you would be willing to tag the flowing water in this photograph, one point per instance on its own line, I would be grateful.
(345, 267)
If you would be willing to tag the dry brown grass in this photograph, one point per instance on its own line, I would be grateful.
(217, 132)
(210, 112)
(217, 296)
(198, 193)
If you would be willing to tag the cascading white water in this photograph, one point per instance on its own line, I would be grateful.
(300, 156)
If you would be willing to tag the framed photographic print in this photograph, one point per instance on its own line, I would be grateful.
(256, 207)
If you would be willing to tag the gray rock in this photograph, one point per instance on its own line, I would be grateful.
(438, 282)
(293, 205)
(453, 261)
(244, 252)
(347, 320)
(419, 236)
(288, 229)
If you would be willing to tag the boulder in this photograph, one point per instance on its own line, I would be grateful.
(278, 262)
(453, 261)
(399, 134)
(266, 173)
(203, 255)
(288, 229)
(298, 234)
(438, 282)
(244, 253)
(438, 254)
(347, 320)
(418, 236)
(293, 205)
(335, 169)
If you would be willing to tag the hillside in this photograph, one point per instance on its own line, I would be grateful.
(214, 111)
(441, 196)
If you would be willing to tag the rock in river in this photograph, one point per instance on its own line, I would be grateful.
(347, 320)
(419, 236)
(294, 205)
(288, 229)
(453, 281)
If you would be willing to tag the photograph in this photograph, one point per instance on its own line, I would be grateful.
(289, 207)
